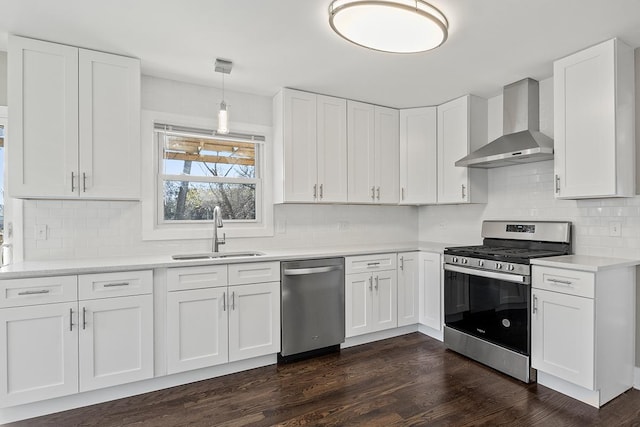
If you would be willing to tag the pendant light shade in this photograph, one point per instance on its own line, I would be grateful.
(223, 66)
(397, 26)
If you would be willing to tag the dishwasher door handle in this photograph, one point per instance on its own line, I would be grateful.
(313, 270)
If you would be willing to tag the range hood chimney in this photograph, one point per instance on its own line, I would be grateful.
(522, 141)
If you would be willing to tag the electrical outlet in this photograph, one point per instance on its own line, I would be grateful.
(41, 232)
(614, 229)
(343, 225)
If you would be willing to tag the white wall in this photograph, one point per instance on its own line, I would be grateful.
(3, 78)
(84, 229)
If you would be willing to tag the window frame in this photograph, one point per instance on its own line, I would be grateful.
(152, 207)
(161, 178)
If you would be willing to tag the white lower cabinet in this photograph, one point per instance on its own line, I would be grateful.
(229, 321)
(39, 358)
(370, 297)
(582, 330)
(54, 345)
(408, 288)
(116, 341)
(430, 271)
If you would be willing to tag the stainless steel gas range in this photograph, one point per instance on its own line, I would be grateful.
(487, 292)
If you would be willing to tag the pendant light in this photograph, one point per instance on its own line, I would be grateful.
(396, 26)
(223, 66)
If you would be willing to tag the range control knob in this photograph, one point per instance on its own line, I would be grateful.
(498, 266)
(511, 267)
(481, 263)
(464, 260)
(455, 259)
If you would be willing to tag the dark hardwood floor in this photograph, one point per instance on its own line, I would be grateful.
(406, 381)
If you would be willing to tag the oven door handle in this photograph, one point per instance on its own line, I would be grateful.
(507, 277)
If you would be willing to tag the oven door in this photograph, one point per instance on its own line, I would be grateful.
(489, 305)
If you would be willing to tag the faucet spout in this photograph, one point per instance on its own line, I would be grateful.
(217, 223)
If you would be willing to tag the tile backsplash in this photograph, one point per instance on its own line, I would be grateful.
(525, 192)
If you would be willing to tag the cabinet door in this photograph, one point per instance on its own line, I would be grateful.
(109, 123)
(408, 288)
(585, 128)
(300, 158)
(254, 320)
(361, 155)
(418, 156)
(43, 125)
(39, 353)
(197, 334)
(385, 303)
(358, 303)
(562, 336)
(116, 341)
(453, 144)
(431, 290)
(332, 149)
(387, 153)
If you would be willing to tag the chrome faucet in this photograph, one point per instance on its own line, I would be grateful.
(217, 223)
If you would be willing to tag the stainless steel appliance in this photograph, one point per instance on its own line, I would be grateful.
(312, 307)
(487, 293)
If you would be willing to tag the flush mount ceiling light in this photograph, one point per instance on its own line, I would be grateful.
(223, 66)
(397, 26)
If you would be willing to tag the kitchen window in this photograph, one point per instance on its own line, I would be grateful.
(199, 170)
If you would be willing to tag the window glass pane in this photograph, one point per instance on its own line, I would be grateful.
(188, 201)
(206, 157)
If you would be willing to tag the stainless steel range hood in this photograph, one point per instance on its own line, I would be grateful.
(522, 142)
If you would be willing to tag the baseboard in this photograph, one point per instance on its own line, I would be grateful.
(636, 378)
(433, 333)
(377, 336)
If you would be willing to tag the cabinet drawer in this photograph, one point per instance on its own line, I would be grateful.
(38, 290)
(571, 282)
(209, 276)
(107, 285)
(254, 272)
(359, 264)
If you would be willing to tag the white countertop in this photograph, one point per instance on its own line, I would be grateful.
(585, 262)
(143, 262)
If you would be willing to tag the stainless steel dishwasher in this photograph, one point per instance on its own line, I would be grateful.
(312, 307)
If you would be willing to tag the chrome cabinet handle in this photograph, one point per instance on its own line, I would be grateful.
(321, 191)
(402, 193)
(84, 182)
(312, 270)
(373, 264)
(113, 285)
(371, 283)
(557, 184)
(373, 193)
(73, 188)
(561, 282)
(378, 193)
(233, 300)
(315, 191)
(84, 318)
(535, 304)
(224, 301)
(71, 319)
(376, 283)
(41, 291)
(402, 263)
(463, 193)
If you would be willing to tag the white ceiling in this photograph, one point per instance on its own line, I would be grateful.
(276, 43)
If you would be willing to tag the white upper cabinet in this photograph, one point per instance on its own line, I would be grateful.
(462, 128)
(373, 153)
(594, 122)
(75, 122)
(310, 153)
(418, 156)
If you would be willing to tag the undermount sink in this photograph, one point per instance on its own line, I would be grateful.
(217, 255)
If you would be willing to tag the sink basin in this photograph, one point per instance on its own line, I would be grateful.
(217, 255)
